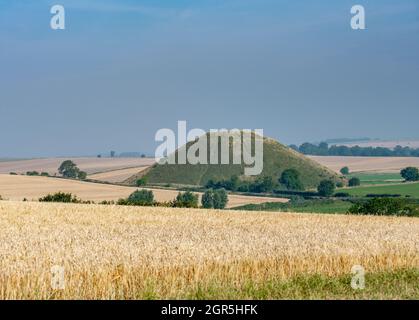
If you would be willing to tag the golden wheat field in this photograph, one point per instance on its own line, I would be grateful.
(111, 252)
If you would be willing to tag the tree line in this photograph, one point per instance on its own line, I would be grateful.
(323, 149)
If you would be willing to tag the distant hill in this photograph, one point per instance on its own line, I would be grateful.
(276, 158)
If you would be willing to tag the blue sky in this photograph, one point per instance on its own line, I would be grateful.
(124, 69)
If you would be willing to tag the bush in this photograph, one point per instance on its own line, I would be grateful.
(354, 182)
(410, 174)
(344, 171)
(339, 184)
(342, 195)
(82, 175)
(326, 188)
(290, 178)
(60, 197)
(186, 200)
(216, 199)
(141, 198)
(45, 174)
(13, 173)
(32, 173)
(384, 207)
(141, 182)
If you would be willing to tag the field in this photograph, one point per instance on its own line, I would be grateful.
(371, 164)
(90, 165)
(384, 144)
(410, 189)
(116, 176)
(112, 252)
(32, 188)
(369, 178)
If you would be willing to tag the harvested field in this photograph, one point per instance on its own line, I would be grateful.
(116, 176)
(90, 165)
(367, 164)
(111, 252)
(32, 188)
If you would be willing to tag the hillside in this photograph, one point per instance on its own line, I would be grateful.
(276, 158)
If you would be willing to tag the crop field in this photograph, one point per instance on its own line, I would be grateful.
(116, 176)
(32, 188)
(89, 165)
(113, 252)
(371, 164)
(409, 189)
(371, 178)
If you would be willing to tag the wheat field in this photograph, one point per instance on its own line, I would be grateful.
(111, 252)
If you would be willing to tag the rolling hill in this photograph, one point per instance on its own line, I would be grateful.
(276, 158)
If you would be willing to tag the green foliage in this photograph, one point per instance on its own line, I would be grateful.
(32, 173)
(339, 184)
(410, 174)
(13, 173)
(404, 189)
(344, 171)
(186, 200)
(354, 182)
(82, 175)
(44, 174)
(216, 199)
(326, 188)
(290, 178)
(141, 182)
(141, 198)
(384, 207)
(68, 169)
(60, 197)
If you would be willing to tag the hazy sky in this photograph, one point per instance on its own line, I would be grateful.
(124, 69)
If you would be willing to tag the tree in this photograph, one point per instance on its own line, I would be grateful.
(384, 207)
(410, 174)
(60, 197)
(113, 154)
(207, 200)
(290, 178)
(354, 182)
(68, 169)
(216, 199)
(141, 198)
(186, 200)
(326, 188)
(344, 171)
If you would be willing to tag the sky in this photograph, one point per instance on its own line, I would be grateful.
(121, 70)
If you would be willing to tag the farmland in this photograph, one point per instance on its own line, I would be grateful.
(113, 252)
(367, 164)
(409, 189)
(89, 165)
(20, 187)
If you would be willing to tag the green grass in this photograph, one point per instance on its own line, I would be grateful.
(404, 189)
(400, 284)
(369, 178)
(307, 206)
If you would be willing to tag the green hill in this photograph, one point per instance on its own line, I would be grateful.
(276, 158)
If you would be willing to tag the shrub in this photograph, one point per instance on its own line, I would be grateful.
(290, 178)
(216, 199)
(32, 173)
(339, 184)
(326, 188)
(344, 171)
(141, 182)
(410, 174)
(342, 195)
(13, 173)
(384, 207)
(60, 197)
(354, 182)
(82, 175)
(186, 200)
(45, 174)
(141, 198)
